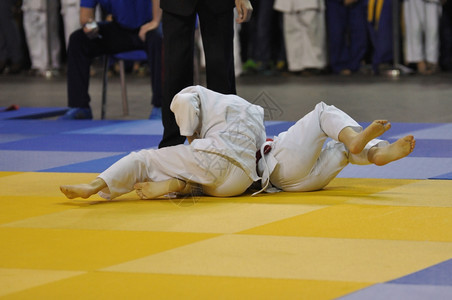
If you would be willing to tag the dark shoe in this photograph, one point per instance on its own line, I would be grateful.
(156, 113)
(2, 66)
(77, 114)
(15, 68)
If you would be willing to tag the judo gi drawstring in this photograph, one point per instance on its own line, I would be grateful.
(265, 149)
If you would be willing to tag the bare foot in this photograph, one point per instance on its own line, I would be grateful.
(399, 149)
(360, 140)
(84, 190)
(145, 190)
(155, 189)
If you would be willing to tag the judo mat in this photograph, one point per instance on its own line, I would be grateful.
(373, 233)
(14, 112)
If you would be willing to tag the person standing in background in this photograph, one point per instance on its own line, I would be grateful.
(269, 51)
(216, 23)
(304, 34)
(422, 34)
(37, 28)
(445, 57)
(347, 34)
(70, 10)
(10, 42)
(380, 25)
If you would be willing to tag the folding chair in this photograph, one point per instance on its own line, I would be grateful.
(137, 55)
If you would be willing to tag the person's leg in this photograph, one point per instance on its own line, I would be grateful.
(355, 141)
(217, 32)
(55, 41)
(298, 149)
(264, 27)
(82, 50)
(153, 46)
(145, 190)
(153, 189)
(316, 33)
(180, 162)
(136, 167)
(331, 160)
(231, 181)
(432, 17)
(9, 34)
(336, 14)
(383, 46)
(335, 156)
(178, 51)
(70, 11)
(391, 152)
(358, 34)
(294, 36)
(35, 26)
(84, 190)
(413, 16)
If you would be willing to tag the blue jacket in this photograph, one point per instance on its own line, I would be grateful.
(128, 13)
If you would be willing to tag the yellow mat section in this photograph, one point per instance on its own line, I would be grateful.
(317, 245)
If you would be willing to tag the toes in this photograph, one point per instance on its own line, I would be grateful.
(385, 123)
(140, 194)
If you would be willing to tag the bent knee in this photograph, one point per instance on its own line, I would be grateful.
(226, 190)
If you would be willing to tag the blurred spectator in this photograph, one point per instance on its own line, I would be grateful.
(135, 26)
(10, 41)
(247, 42)
(422, 34)
(347, 34)
(380, 21)
(70, 11)
(269, 48)
(445, 58)
(304, 34)
(37, 27)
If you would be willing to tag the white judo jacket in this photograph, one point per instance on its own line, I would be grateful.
(226, 125)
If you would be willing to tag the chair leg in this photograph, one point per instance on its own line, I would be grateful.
(104, 88)
(125, 104)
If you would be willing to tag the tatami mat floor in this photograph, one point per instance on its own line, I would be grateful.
(373, 233)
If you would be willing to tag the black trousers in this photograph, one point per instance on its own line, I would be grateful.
(217, 33)
(10, 39)
(113, 39)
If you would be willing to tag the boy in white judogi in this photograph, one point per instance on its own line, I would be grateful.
(224, 132)
(304, 33)
(298, 162)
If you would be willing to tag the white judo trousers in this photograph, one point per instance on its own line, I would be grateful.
(70, 10)
(217, 175)
(35, 25)
(422, 30)
(222, 159)
(304, 33)
(299, 161)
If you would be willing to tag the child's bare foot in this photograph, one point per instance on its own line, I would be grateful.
(79, 190)
(360, 140)
(146, 190)
(84, 190)
(155, 189)
(399, 149)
